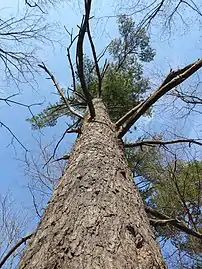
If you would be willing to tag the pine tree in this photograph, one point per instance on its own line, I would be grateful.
(96, 217)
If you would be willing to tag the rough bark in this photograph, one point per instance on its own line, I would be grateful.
(96, 218)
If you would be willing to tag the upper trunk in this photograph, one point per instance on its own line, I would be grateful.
(96, 217)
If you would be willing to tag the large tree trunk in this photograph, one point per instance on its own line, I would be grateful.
(96, 218)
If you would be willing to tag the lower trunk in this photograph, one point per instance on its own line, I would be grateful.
(96, 218)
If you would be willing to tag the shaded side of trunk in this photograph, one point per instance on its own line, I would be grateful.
(96, 218)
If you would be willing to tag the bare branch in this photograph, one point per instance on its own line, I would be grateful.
(187, 98)
(174, 222)
(13, 135)
(34, 5)
(18, 244)
(58, 143)
(64, 157)
(95, 60)
(174, 79)
(19, 37)
(60, 91)
(79, 55)
(34, 202)
(160, 142)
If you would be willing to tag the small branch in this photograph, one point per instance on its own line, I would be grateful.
(172, 80)
(187, 98)
(174, 222)
(60, 140)
(60, 91)
(72, 40)
(34, 5)
(80, 61)
(96, 61)
(34, 202)
(17, 245)
(65, 157)
(160, 142)
(13, 135)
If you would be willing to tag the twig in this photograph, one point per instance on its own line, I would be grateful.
(69, 56)
(60, 91)
(58, 143)
(13, 135)
(17, 245)
(34, 202)
(34, 5)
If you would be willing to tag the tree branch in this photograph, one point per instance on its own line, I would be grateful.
(160, 142)
(60, 91)
(172, 80)
(60, 140)
(128, 115)
(164, 219)
(17, 245)
(95, 60)
(13, 135)
(79, 55)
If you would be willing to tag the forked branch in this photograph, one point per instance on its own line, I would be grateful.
(80, 60)
(95, 60)
(174, 79)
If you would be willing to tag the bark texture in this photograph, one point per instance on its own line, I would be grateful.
(96, 218)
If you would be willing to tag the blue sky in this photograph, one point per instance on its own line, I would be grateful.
(178, 50)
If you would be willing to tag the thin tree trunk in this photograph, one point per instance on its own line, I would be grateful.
(96, 218)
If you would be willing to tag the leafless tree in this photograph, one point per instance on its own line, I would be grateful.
(12, 228)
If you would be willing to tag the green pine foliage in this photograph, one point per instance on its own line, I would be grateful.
(123, 84)
(175, 189)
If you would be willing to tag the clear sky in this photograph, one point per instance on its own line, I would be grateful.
(178, 50)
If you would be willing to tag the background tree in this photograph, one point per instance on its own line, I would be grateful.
(12, 229)
(21, 36)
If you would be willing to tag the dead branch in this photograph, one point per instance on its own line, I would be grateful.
(187, 98)
(72, 40)
(34, 5)
(80, 60)
(60, 140)
(34, 201)
(174, 222)
(60, 91)
(161, 142)
(17, 245)
(172, 80)
(65, 157)
(13, 136)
